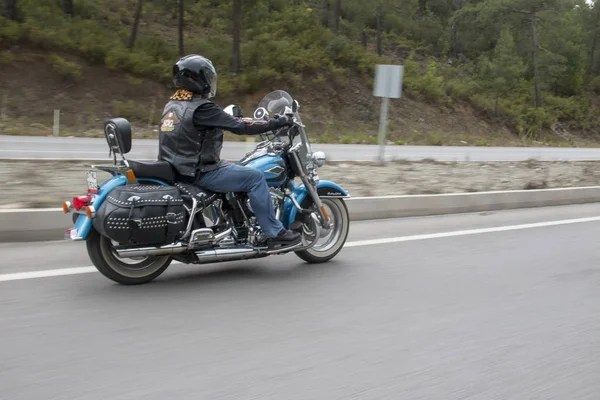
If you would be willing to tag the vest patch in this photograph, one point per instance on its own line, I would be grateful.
(169, 121)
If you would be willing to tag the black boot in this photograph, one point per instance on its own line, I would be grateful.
(286, 238)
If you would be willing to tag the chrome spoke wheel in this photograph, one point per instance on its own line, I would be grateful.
(330, 240)
(128, 271)
(328, 237)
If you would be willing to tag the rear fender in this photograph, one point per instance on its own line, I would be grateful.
(325, 189)
(83, 224)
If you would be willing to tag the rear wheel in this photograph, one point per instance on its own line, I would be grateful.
(126, 271)
(331, 241)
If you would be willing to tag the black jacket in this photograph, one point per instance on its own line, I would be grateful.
(191, 135)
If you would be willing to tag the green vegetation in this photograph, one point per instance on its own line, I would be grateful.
(527, 64)
(68, 70)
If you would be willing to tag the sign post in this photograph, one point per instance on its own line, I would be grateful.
(388, 84)
(56, 126)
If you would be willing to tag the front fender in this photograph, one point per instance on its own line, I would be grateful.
(324, 189)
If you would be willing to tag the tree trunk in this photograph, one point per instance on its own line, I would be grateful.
(181, 23)
(422, 7)
(379, 49)
(136, 22)
(9, 10)
(237, 18)
(326, 14)
(595, 41)
(454, 36)
(363, 38)
(497, 104)
(68, 7)
(336, 17)
(538, 89)
(593, 54)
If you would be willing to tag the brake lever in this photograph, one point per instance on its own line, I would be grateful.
(301, 125)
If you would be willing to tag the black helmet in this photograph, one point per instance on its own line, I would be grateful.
(197, 74)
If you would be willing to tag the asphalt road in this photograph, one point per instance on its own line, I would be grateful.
(27, 147)
(484, 315)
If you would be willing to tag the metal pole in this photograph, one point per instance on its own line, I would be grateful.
(4, 108)
(383, 128)
(151, 115)
(56, 129)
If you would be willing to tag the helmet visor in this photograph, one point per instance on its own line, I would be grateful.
(213, 86)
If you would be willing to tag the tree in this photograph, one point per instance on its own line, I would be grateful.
(454, 35)
(181, 24)
(237, 21)
(532, 8)
(422, 7)
(502, 73)
(536, 69)
(336, 16)
(326, 12)
(595, 31)
(136, 23)
(68, 7)
(379, 46)
(10, 10)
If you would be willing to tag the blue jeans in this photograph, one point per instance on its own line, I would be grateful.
(237, 178)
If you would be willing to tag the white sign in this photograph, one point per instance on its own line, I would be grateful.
(388, 81)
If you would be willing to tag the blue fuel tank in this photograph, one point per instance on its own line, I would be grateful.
(273, 167)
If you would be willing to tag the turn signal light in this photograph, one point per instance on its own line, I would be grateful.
(90, 212)
(130, 176)
(81, 201)
(67, 207)
(325, 213)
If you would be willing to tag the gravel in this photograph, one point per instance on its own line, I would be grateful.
(37, 184)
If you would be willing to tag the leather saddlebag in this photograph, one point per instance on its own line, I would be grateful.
(142, 215)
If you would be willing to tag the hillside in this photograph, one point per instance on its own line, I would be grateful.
(80, 63)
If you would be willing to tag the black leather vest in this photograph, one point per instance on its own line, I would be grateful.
(186, 148)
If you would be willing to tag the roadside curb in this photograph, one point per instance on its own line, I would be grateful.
(28, 225)
(366, 208)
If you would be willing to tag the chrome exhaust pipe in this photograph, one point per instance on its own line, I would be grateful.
(170, 249)
(220, 236)
(228, 254)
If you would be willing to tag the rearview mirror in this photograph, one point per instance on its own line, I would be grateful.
(234, 111)
(295, 106)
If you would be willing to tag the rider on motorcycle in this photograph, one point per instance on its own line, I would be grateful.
(191, 138)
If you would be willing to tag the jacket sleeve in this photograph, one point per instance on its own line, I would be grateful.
(211, 115)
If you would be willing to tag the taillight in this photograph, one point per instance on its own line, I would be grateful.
(81, 201)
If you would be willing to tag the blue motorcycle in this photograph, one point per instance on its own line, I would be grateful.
(142, 218)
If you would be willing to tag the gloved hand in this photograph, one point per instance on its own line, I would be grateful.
(283, 120)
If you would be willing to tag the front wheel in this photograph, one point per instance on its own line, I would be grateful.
(126, 271)
(331, 241)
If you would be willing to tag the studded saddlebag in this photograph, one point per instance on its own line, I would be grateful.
(142, 215)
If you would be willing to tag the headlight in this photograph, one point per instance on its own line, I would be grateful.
(319, 158)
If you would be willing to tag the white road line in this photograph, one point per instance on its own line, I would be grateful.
(56, 151)
(18, 276)
(361, 243)
(470, 232)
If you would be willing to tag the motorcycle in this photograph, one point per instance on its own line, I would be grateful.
(141, 219)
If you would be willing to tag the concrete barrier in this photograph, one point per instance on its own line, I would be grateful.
(365, 208)
(24, 225)
(51, 224)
